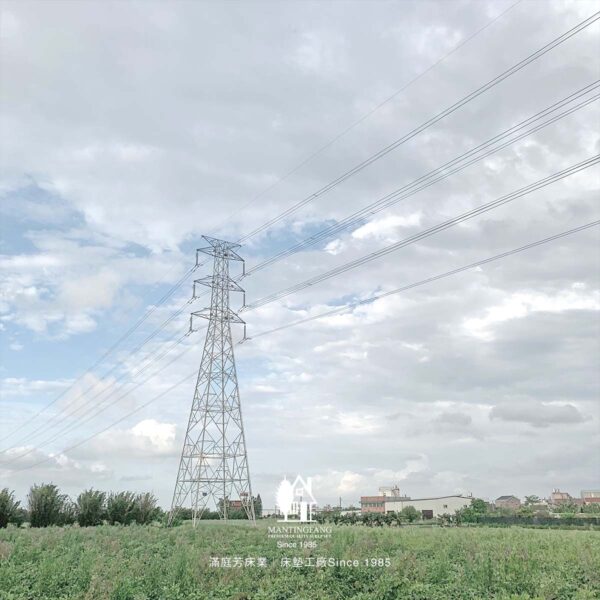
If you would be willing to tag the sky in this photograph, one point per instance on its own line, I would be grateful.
(131, 129)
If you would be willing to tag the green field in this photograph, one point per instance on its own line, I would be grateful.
(146, 562)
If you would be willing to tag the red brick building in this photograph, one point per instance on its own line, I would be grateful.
(511, 502)
(590, 496)
(558, 497)
(372, 504)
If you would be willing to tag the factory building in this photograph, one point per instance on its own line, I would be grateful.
(590, 496)
(428, 507)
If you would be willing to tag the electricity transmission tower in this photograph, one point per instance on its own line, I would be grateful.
(214, 464)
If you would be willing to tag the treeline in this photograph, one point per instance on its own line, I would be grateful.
(480, 509)
(409, 514)
(47, 506)
(234, 512)
(478, 513)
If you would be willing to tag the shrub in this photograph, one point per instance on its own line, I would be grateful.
(410, 513)
(9, 508)
(91, 508)
(49, 507)
(121, 508)
(473, 513)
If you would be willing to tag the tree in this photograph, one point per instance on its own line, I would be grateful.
(146, 508)
(410, 513)
(479, 506)
(533, 499)
(91, 508)
(525, 511)
(120, 508)
(258, 507)
(473, 513)
(591, 508)
(9, 508)
(568, 510)
(368, 519)
(47, 506)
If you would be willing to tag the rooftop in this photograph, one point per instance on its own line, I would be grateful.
(405, 498)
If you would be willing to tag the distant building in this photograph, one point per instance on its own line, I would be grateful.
(376, 504)
(511, 502)
(558, 497)
(590, 496)
(372, 504)
(389, 491)
(238, 504)
(428, 507)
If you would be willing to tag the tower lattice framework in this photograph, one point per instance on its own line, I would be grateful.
(214, 463)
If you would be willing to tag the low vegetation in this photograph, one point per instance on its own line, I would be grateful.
(478, 513)
(115, 546)
(426, 563)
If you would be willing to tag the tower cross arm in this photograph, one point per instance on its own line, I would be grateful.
(209, 313)
(212, 281)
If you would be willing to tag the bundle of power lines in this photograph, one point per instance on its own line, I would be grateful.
(119, 381)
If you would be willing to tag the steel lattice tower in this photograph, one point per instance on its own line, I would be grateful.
(214, 463)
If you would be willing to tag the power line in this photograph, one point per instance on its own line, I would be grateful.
(428, 232)
(472, 265)
(325, 314)
(357, 168)
(443, 171)
(369, 210)
(115, 345)
(70, 427)
(54, 421)
(469, 214)
(91, 437)
(366, 115)
(49, 424)
(438, 117)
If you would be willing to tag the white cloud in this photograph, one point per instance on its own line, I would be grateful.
(387, 228)
(521, 304)
(357, 423)
(20, 386)
(148, 438)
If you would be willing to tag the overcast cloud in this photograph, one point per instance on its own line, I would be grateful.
(130, 129)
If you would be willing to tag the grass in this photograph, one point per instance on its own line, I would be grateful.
(152, 563)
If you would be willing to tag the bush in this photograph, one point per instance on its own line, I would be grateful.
(9, 508)
(91, 509)
(410, 513)
(473, 513)
(49, 507)
(121, 508)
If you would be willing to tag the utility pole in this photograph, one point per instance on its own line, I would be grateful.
(214, 464)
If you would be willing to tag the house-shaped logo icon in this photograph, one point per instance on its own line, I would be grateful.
(296, 500)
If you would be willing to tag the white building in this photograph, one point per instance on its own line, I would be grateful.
(428, 507)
